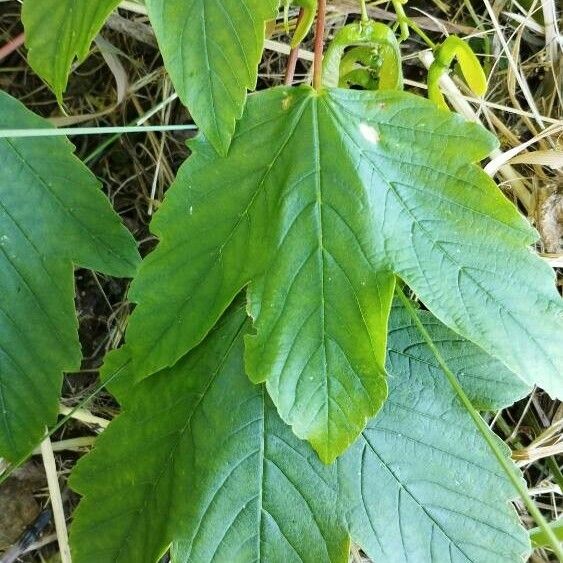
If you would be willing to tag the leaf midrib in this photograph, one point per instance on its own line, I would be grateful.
(321, 263)
(231, 234)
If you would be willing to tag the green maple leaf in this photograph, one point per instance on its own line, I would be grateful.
(59, 31)
(200, 458)
(323, 199)
(52, 215)
(211, 49)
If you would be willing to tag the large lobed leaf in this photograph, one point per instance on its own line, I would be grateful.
(211, 49)
(58, 32)
(200, 458)
(323, 198)
(52, 214)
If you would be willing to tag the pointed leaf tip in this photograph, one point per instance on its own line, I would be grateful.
(211, 51)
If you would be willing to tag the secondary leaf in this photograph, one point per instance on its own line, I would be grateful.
(59, 31)
(487, 382)
(322, 199)
(211, 49)
(52, 214)
(429, 488)
(201, 458)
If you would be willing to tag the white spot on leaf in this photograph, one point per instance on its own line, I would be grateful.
(369, 133)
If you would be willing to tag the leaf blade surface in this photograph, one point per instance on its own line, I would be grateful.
(60, 31)
(324, 199)
(211, 50)
(242, 487)
(52, 214)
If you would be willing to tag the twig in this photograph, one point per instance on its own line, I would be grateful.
(69, 131)
(134, 7)
(45, 540)
(84, 416)
(551, 31)
(160, 154)
(503, 158)
(512, 64)
(319, 46)
(137, 30)
(293, 56)
(435, 24)
(6, 472)
(72, 444)
(29, 540)
(285, 49)
(56, 499)
(11, 46)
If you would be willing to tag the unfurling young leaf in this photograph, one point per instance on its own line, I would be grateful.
(60, 31)
(309, 8)
(211, 51)
(200, 458)
(455, 48)
(373, 36)
(323, 199)
(52, 215)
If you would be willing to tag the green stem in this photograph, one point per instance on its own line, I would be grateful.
(293, 56)
(70, 131)
(365, 16)
(421, 33)
(484, 429)
(551, 460)
(402, 18)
